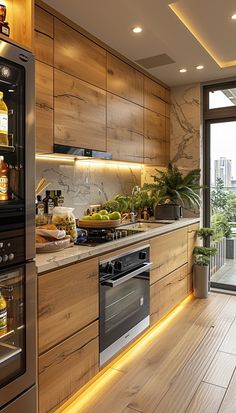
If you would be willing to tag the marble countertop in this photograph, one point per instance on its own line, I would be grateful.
(52, 261)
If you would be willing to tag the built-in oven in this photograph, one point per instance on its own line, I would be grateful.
(124, 300)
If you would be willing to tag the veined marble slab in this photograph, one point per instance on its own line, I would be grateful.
(53, 261)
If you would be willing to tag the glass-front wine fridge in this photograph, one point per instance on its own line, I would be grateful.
(17, 252)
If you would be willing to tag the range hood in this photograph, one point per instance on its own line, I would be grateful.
(80, 152)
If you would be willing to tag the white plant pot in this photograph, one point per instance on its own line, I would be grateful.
(200, 280)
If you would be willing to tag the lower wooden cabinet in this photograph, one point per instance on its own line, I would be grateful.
(167, 293)
(67, 367)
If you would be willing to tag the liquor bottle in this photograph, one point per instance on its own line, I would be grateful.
(60, 198)
(3, 315)
(48, 202)
(3, 121)
(40, 206)
(4, 26)
(4, 171)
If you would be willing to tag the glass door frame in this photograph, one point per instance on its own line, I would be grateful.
(211, 116)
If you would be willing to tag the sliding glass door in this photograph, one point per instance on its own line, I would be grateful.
(220, 181)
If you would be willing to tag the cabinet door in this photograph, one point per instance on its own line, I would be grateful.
(167, 293)
(168, 252)
(123, 80)
(124, 129)
(80, 113)
(43, 36)
(67, 302)
(44, 107)
(154, 96)
(79, 56)
(156, 148)
(193, 241)
(67, 367)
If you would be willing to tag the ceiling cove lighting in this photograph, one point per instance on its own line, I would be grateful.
(199, 67)
(233, 17)
(183, 70)
(106, 378)
(137, 29)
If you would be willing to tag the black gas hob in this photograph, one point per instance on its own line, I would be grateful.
(100, 236)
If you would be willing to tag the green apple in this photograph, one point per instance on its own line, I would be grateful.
(103, 212)
(96, 216)
(87, 217)
(105, 217)
(115, 215)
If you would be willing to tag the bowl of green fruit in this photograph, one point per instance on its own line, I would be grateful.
(101, 219)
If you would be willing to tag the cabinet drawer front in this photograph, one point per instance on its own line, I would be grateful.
(168, 252)
(167, 293)
(67, 367)
(79, 56)
(80, 113)
(67, 302)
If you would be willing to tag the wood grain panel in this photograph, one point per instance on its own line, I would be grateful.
(20, 17)
(192, 242)
(67, 302)
(123, 80)
(67, 367)
(221, 369)
(80, 113)
(79, 56)
(168, 252)
(229, 402)
(167, 293)
(206, 399)
(154, 96)
(229, 343)
(124, 129)
(44, 107)
(43, 36)
(167, 110)
(156, 148)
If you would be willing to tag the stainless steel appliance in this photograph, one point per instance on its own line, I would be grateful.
(124, 300)
(17, 246)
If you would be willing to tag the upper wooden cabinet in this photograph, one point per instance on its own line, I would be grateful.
(156, 148)
(20, 18)
(154, 96)
(43, 36)
(72, 307)
(78, 56)
(123, 80)
(79, 113)
(44, 107)
(124, 129)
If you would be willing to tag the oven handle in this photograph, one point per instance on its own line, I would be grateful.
(115, 283)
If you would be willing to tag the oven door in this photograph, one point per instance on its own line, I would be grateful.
(124, 308)
(18, 333)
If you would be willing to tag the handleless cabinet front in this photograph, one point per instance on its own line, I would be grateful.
(67, 302)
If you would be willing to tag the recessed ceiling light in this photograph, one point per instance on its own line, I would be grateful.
(199, 67)
(137, 29)
(233, 17)
(183, 70)
(231, 97)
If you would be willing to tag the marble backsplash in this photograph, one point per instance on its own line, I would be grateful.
(83, 184)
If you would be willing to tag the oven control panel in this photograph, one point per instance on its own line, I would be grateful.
(11, 251)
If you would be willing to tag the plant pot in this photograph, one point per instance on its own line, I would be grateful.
(200, 280)
(168, 211)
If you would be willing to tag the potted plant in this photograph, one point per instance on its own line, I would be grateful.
(172, 190)
(201, 264)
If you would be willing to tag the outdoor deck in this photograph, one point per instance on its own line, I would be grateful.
(226, 274)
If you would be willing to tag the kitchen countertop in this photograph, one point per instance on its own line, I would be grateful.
(52, 261)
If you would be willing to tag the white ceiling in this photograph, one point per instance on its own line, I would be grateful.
(163, 32)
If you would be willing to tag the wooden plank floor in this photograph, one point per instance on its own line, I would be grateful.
(186, 365)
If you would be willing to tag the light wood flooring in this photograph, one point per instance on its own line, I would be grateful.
(226, 274)
(185, 366)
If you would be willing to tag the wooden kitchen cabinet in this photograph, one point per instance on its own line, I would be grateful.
(124, 129)
(76, 55)
(79, 113)
(154, 96)
(193, 241)
(168, 252)
(67, 302)
(43, 36)
(156, 145)
(44, 107)
(166, 293)
(67, 367)
(123, 80)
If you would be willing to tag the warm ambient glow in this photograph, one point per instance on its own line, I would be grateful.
(199, 67)
(233, 17)
(175, 7)
(137, 29)
(89, 162)
(182, 70)
(99, 385)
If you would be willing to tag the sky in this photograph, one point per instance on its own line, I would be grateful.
(223, 135)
